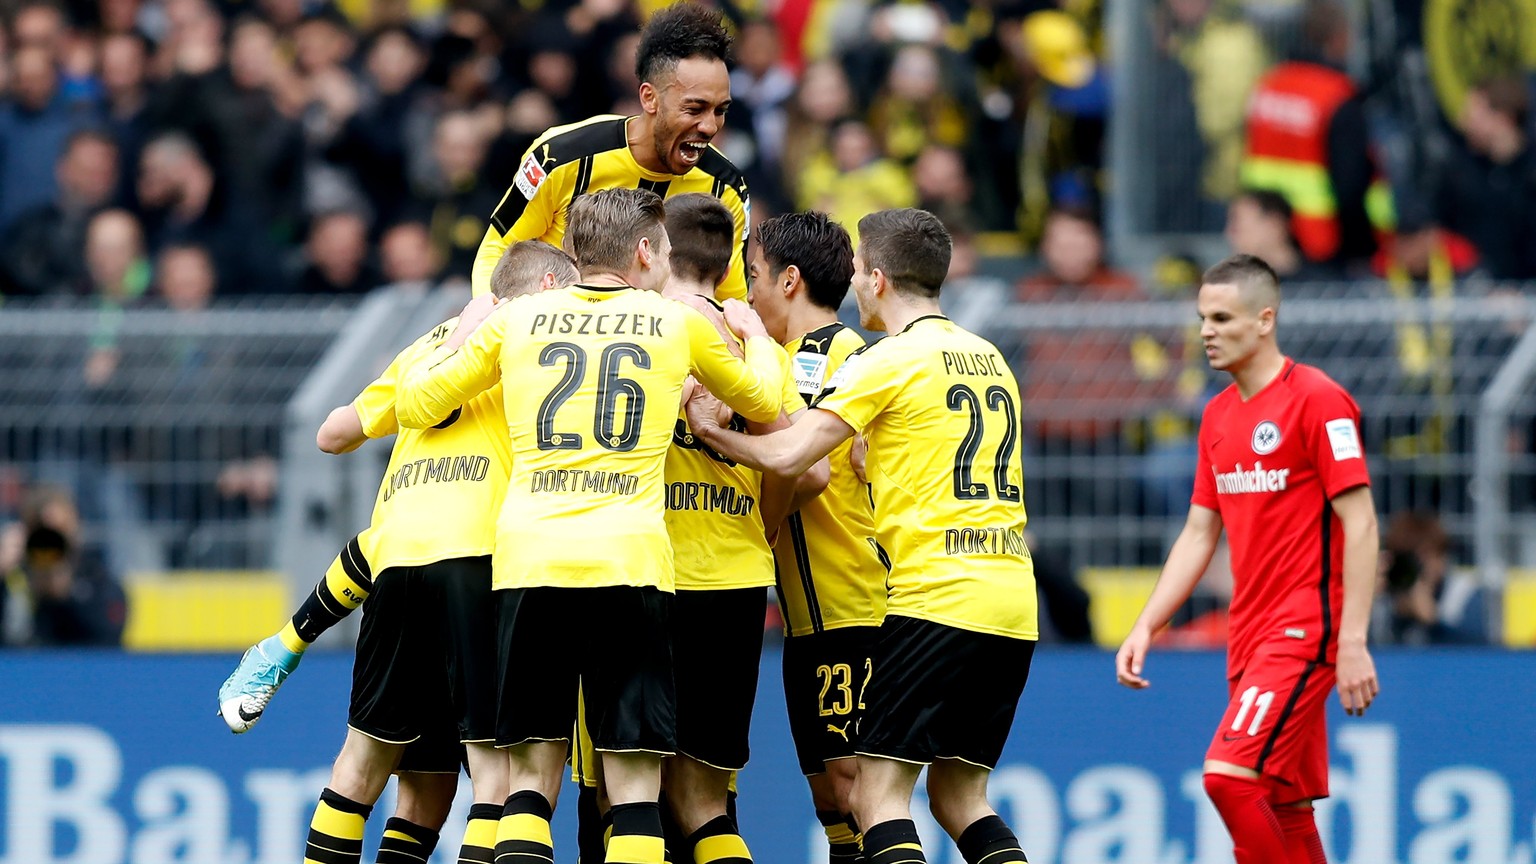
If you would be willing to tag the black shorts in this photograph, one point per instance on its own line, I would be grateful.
(622, 661)
(425, 653)
(824, 679)
(939, 692)
(717, 646)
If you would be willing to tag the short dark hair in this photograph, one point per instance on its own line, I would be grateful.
(524, 264)
(702, 234)
(602, 228)
(1249, 273)
(911, 247)
(678, 32)
(815, 244)
(1269, 202)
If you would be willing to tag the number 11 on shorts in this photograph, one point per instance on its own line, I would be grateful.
(1250, 698)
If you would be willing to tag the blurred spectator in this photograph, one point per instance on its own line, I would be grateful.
(185, 278)
(943, 186)
(459, 198)
(917, 106)
(63, 595)
(388, 124)
(1419, 600)
(408, 257)
(1307, 140)
(41, 24)
(1062, 151)
(43, 251)
(1225, 57)
(1489, 194)
(1259, 223)
(764, 84)
(35, 125)
(1072, 250)
(823, 98)
(336, 256)
(854, 179)
(124, 66)
(118, 275)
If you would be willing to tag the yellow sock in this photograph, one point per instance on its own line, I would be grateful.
(336, 831)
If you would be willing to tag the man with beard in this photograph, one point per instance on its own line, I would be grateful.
(685, 90)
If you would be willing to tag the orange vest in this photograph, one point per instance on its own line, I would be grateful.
(1288, 119)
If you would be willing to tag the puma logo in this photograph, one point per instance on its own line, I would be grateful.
(821, 343)
(547, 158)
(843, 732)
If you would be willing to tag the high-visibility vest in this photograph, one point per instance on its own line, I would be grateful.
(1288, 119)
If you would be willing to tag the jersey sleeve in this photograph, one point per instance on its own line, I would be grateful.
(861, 389)
(737, 200)
(530, 206)
(444, 379)
(1205, 479)
(753, 388)
(375, 406)
(1332, 427)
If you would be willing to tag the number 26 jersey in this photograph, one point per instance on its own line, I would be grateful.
(940, 410)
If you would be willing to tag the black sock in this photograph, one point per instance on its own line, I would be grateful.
(637, 835)
(991, 839)
(842, 840)
(590, 827)
(893, 842)
(718, 842)
(346, 584)
(406, 842)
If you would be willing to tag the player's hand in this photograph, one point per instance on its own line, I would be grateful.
(1132, 656)
(1357, 678)
(474, 314)
(708, 310)
(704, 412)
(743, 321)
(857, 455)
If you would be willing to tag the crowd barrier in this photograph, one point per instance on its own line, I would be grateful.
(108, 758)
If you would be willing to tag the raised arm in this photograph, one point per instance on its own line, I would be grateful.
(1186, 563)
(754, 387)
(449, 376)
(1356, 670)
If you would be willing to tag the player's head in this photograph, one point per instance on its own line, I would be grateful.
(800, 258)
(903, 256)
(702, 236)
(622, 233)
(1239, 301)
(685, 87)
(531, 265)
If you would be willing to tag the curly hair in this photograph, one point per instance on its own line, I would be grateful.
(678, 32)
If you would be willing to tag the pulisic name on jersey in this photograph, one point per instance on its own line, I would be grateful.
(445, 469)
(973, 364)
(595, 324)
(579, 480)
(1240, 481)
(709, 497)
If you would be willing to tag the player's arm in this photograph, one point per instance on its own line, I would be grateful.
(787, 453)
(1186, 563)
(342, 431)
(752, 387)
(451, 375)
(370, 415)
(525, 212)
(1356, 671)
(784, 495)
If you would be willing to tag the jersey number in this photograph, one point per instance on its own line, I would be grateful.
(963, 398)
(1251, 698)
(840, 677)
(606, 427)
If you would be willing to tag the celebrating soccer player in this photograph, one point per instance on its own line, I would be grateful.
(1281, 468)
(685, 90)
(939, 409)
(600, 368)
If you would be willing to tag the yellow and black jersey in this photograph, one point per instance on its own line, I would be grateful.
(444, 484)
(594, 154)
(713, 515)
(940, 410)
(599, 374)
(831, 572)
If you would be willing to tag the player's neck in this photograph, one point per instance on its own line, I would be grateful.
(1258, 372)
(804, 319)
(638, 134)
(687, 288)
(606, 280)
(899, 313)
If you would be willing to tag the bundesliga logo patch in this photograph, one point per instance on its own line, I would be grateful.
(1266, 437)
(530, 176)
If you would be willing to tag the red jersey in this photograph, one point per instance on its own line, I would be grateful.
(1270, 465)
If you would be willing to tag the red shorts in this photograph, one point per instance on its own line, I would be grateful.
(1275, 725)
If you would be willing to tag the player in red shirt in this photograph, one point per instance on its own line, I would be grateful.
(1281, 467)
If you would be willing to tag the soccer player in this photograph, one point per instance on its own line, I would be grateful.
(717, 513)
(423, 681)
(685, 90)
(582, 535)
(1281, 468)
(831, 576)
(939, 409)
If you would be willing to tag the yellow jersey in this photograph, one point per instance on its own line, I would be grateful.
(713, 515)
(595, 378)
(572, 160)
(940, 410)
(443, 484)
(829, 566)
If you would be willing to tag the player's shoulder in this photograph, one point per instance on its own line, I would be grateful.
(573, 142)
(726, 174)
(1221, 403)
(436, 335)
(1309, 380)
